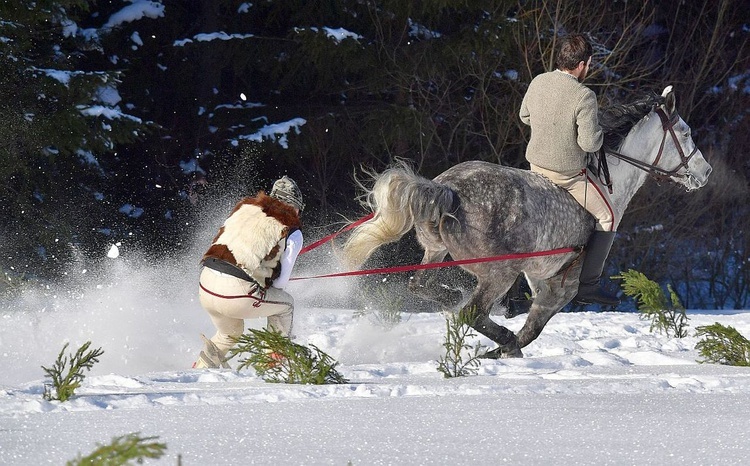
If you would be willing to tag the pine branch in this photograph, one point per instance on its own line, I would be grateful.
(121, 451)
(723, 345)
(65, 384)
(665, 315)
(275, 358)
(458, 330)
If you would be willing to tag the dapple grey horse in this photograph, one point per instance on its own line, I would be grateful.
(479, 209)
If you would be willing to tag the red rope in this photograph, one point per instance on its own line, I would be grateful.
(434, 265)
(328, 238)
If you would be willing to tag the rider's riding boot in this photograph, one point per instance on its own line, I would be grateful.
(597, 250)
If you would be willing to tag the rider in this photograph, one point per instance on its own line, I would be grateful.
(562, 113)
(248, 266)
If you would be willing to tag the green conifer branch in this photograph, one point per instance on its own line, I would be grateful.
(121, 451)
(65, 384)
(666, 316)
(457, 331)
(275, 358)
(723, 345)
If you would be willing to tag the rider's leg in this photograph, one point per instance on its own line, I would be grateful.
(594, 197)
(595, 256)
(281, 306)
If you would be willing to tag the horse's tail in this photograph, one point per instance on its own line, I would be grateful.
(399, 199)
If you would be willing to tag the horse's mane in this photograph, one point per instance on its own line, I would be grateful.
(618, 119)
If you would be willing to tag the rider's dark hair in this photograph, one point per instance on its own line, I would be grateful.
(574, 48)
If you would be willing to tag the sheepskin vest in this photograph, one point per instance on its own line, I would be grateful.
(253, 237)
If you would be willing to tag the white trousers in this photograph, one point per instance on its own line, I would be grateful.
(229, 300)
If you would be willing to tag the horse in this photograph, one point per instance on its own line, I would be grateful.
(479, 209)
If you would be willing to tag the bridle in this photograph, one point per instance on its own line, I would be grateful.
(667, 124)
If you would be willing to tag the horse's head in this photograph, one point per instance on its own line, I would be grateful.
(678, 158)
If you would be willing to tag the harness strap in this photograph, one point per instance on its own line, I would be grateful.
(258, 300)
(229, 269)
(572, 263)
(248, 295)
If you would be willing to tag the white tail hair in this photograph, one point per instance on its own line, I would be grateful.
(399, 199)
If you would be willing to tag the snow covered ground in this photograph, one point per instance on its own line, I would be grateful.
(595, 388)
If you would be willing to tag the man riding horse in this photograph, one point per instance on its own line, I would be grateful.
(562, 113)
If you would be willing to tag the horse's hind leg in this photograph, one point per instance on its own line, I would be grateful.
(478, 309)
(424, 285)
(551, 296)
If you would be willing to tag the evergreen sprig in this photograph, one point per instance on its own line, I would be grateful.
(666, 316)
(458, 330)
(65, 384)
(275, 358)
(121, 451)
(723, 345)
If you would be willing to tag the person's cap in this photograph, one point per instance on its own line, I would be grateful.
(287, 191)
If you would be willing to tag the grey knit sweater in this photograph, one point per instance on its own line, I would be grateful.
(562, 114)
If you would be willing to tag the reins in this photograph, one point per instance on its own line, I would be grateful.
(652, 168)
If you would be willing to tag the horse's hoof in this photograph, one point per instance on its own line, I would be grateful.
(492, 354)
(514, 353)
(502, 353)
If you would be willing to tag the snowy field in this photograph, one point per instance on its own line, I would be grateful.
(595, 388)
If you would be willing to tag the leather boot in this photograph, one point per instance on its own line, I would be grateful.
(597, 250)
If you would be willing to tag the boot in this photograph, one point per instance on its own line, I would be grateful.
(597, 250)
(210, 357)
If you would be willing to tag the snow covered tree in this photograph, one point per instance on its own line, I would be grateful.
(61, 115)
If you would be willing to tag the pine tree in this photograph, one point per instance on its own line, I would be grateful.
(61, 119)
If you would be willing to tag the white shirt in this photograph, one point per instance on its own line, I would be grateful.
(293, 248)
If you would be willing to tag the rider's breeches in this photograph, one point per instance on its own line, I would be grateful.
(588, 191)
(229, 300)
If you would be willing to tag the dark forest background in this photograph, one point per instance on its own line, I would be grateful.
(121, 120)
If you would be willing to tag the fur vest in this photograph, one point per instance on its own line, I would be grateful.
(253, 237)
